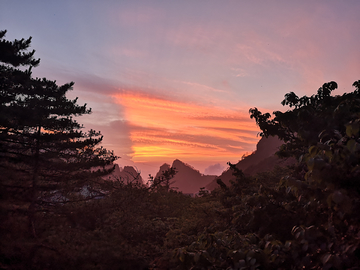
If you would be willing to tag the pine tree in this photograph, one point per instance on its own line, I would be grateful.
(45, 157)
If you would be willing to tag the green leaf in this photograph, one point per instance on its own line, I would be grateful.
(311, 163)
(313, 150)
(352, 129)
(349, 130)
(329, 154)
(352, 145)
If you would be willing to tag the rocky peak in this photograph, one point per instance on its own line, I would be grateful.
(162, 169)
(263, 159)
(187, 179)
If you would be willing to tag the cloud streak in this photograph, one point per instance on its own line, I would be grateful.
(162, 128)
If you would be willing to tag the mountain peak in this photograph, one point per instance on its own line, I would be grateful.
(187, 179)
(128, 174)
(263, 159)
(178, 164)
(162, 169)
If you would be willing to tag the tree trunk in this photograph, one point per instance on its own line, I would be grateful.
(34, 191)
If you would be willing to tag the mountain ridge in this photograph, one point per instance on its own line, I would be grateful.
(261, 160)
(127, 174)
(187, 179)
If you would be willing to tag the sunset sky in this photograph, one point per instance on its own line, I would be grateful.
(175, 79)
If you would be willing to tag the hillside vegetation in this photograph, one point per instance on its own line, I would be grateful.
(57, 214)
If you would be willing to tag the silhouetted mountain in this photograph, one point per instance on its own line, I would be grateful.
(162, 169)
(263, 159)
(187, 179)
(127, 174)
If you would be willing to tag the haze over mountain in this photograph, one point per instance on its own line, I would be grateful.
(187, 179)
(215, 169)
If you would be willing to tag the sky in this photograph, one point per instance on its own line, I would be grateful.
(175, 79)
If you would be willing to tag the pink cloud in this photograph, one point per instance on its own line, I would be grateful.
(162, 128)
(215, 169)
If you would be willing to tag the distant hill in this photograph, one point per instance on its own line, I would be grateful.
(263, 159)
(187, 179)
(127, 174)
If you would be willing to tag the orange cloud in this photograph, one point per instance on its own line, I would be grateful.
(162, 128)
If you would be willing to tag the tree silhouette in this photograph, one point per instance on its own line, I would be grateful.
(322, 131)
(45, 158)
